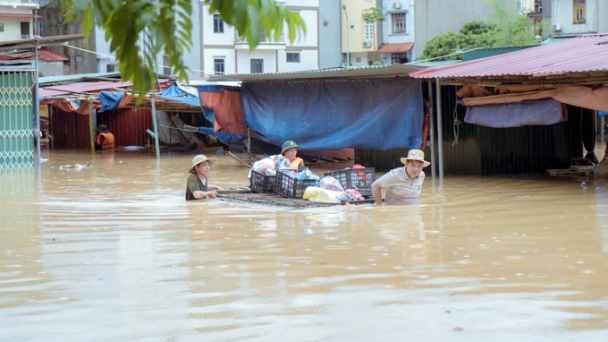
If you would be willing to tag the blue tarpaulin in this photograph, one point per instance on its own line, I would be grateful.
(527, 113)
(377, 114)
(600, 113)
(175, 93)
(109, 99)
(222, 136)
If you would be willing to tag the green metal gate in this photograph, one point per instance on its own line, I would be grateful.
(16, 120)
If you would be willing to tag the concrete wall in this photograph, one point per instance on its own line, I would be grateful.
(434, 17)
(562, 15)
(353, 28)
(12, 26)
(81, 62)
(52, 68)
(228, 54)
(244, 58)
(405, 6)
(330, 54)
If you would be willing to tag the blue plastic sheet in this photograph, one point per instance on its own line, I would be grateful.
(222, 136)
(175, 93)
(601, 113)
(376, 114)
(109, 99)
(527, 113)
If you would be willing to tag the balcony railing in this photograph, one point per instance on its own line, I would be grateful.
(263, 39)
(19, 2)
(5, 37)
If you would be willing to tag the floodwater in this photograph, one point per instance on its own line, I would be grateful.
(112, 252)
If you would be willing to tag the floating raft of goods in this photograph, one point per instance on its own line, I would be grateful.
(243, 194)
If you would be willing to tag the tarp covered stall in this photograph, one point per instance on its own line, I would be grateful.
(527, 113)
(330, 114)
(225, 101)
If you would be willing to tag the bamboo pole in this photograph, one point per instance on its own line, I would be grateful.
(91, 126)
(432, 129)
(439, 128)
(157, 147)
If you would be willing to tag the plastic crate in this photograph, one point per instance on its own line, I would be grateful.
(287, 186)
(357, 179)
(261, 183)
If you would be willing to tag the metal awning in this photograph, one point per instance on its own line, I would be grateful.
(40, 41)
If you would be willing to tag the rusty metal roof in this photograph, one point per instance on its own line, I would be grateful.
(582, 55)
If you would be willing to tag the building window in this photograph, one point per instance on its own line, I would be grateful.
(40, 26)
(293, 57)
(1, 27)
(110, 67)
(218, 24)
(369, 31)
(166, 67)
(218, 66)
(579, 11)
(399, 58)
(398, 22)
(257, 66)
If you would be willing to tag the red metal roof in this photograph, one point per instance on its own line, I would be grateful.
(396, 47)
(43, 54)
(19, 15)
(582, 54)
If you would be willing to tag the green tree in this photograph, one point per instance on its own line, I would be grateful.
(505, 28)
(373, 15)
(166, 25)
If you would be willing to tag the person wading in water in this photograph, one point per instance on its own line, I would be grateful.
(198, 186)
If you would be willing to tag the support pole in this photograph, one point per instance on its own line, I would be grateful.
(91, 125)
(439, 128)
(155, 128)
(37, 106)
(248, 140)
(432, 129)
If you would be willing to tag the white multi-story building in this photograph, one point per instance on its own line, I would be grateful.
(17, 19)
(223, 52)
(192, 59)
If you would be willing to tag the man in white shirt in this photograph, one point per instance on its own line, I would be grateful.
(402, 184)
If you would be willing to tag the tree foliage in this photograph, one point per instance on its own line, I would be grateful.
(505, 28)
(166, 25)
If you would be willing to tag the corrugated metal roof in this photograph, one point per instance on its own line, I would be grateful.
(43, 54)
(577, 55)
(41, 41)
(72, 78)
(84, 87)
(369, 71)
(493, 51)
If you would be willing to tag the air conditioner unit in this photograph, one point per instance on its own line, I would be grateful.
(367, 44)
(557, 27)
(396, 5)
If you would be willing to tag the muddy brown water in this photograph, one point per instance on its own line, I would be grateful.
(112, 252)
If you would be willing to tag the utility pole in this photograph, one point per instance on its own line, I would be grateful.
(347, 29)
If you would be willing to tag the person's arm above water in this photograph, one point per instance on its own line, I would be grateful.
(199, 194)
(213, 187)
(377, 192)
(195, 187)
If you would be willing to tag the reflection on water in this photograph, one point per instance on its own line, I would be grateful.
(113, 252)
